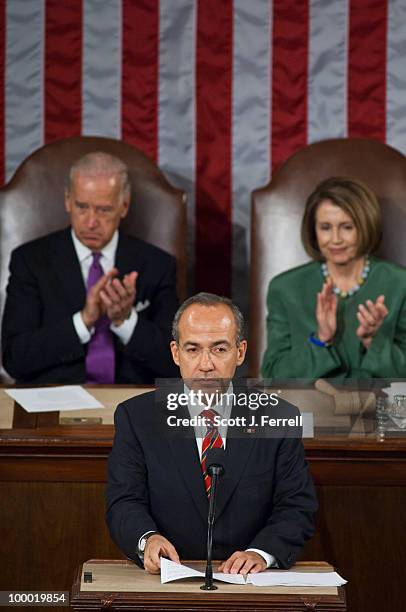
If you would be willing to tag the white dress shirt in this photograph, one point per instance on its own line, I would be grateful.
(107, 261)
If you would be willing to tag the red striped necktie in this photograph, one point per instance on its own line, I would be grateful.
(212, 439)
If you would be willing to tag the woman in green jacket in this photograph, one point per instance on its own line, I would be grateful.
(344, 314)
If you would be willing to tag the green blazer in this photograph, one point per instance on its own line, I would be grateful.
(291, 319)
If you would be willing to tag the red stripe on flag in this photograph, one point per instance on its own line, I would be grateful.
(289, 78)
(367, 69)
(63, 69)
(140, 75)
(213, 146)
(2, 89)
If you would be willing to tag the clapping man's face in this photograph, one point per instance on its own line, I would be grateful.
(96, 205)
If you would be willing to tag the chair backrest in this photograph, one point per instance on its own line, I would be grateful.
(32, 203)
(277, 210)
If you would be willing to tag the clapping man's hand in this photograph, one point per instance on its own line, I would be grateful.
(118, 298)
(94, 307)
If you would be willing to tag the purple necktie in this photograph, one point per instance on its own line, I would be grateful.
(100, 358)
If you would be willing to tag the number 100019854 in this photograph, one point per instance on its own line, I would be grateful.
(34, 598)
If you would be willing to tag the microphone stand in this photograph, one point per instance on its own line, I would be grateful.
(215, 471)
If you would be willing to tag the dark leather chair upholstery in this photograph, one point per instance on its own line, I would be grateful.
(32, 203)
(278, 207)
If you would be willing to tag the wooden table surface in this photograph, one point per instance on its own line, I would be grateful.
(121, 584)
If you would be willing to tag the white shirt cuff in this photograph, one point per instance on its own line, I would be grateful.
(82, 331)
(269, 559)
(126, 329)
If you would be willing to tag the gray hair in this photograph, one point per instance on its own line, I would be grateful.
(99, 164)
(209, 299)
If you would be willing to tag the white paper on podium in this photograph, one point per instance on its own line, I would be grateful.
(176, 571)
(231, 578)
(49, 399)
(296, 579)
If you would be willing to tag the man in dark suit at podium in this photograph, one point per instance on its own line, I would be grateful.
(89, 303)
(158, 488)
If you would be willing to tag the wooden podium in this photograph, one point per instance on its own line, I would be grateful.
(49, 472)
(121, 585)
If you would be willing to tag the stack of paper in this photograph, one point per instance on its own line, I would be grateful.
(296, 579)
(175, 571)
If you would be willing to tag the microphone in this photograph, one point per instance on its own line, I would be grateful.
(215, 469)
(216, 456)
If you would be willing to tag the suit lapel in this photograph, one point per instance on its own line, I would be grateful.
(239, 446)
(127, 255)
(186, 457)
(66, 267)
(184, 450)
(183, 447)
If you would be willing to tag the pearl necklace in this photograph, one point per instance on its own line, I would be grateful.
(355, 288)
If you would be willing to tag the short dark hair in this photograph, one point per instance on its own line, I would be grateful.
(209, 299)
(357, 200)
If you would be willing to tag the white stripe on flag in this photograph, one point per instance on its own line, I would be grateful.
(396, 76)
(327, 79)
(251, 126)
(24, 96)
(176, 104)
(101, 75)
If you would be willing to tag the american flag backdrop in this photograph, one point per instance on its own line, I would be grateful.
(217, 92)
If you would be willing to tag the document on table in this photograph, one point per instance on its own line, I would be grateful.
(48, 399)
(176, 571)
(296, 579)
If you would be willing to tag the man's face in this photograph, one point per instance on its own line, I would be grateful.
(96, 205)
(207, 349)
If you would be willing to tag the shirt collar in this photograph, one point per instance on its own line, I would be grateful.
(83, 252)
(223, 409)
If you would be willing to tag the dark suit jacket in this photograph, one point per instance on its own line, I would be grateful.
(39, 341)
(266, 498)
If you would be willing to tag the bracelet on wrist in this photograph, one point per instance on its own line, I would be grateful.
(314, 340)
